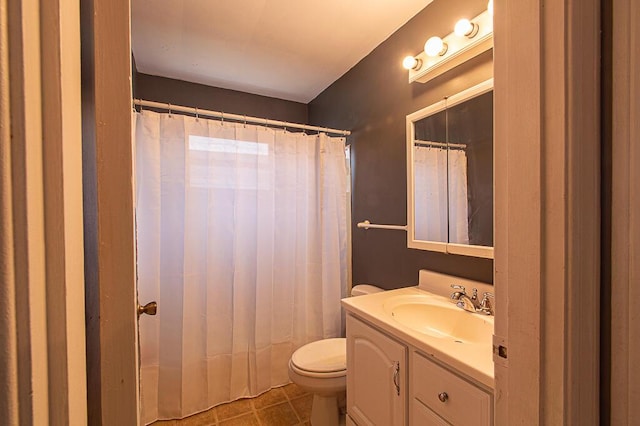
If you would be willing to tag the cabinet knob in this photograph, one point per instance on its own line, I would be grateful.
(443, 397)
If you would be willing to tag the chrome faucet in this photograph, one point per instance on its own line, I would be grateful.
(463, 300)
(471, 303)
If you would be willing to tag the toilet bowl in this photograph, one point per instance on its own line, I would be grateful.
(320, 368)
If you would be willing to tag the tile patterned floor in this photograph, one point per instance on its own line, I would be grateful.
(285, 406)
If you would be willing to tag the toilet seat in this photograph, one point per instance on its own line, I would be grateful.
(323, 358)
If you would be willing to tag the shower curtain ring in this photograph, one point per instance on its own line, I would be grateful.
(245, 121)
(169, 108)
(222, 120)
(197, 114)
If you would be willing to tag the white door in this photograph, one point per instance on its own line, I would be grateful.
(547, 211)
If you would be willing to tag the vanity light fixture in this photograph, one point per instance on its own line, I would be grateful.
(435, 47)
(411, 63)
(470, 38)
(466, 28)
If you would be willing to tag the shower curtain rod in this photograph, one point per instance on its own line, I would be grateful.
(236, 117)
(418, 142)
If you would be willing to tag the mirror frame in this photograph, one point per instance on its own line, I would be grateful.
(442, 247)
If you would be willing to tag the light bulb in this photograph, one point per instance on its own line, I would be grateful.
(465, 28)
(411, 63)
(435, 47)
(490, 7)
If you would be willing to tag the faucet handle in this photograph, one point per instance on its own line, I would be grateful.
(474, 295)
(458, 293)
(486, 296)
(486, 305)
(458, 287)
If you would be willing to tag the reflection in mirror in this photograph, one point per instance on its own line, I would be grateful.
(470, 142)
(430, 178)
(450, 147)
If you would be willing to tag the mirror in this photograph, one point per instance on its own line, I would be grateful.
(450, 174)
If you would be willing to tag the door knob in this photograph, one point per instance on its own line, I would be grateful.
(150, 309)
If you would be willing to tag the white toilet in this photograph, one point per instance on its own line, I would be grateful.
(320, 368)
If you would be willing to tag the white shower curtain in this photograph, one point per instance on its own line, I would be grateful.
(440, 216)
(241, 236)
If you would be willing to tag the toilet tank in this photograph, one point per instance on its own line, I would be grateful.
(362, 289)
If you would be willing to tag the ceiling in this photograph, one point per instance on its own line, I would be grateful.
(288, 49)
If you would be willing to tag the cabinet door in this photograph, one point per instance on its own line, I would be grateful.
(449, 396)
(376, 376)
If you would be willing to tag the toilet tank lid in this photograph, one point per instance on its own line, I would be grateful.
(362, 289)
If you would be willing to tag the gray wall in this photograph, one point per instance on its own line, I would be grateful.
(177, 92)
(372, 100)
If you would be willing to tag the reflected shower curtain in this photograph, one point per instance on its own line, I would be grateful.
(458, 197)
(440, 201)
(241, 236)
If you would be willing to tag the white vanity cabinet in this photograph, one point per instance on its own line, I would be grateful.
(392, 383)
(376, 376)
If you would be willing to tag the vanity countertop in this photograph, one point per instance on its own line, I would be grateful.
(471, 358)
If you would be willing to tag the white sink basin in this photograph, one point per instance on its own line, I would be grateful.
(437, 317)
(432, 325)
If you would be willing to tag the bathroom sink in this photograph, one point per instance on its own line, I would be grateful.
(439, 318)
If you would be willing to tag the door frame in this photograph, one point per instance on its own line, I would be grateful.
(547, 205)
(624, 377)
(42, 332)
(111, 296)
(547, 211)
